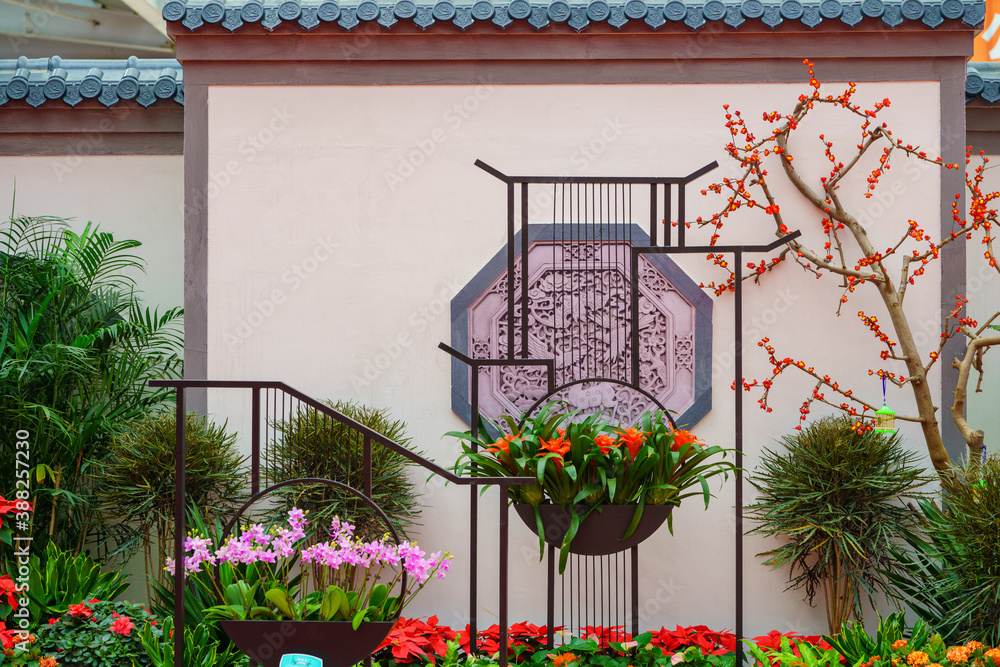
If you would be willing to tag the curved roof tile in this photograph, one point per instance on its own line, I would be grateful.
(982, 81)
(308, 14)
(108, 81)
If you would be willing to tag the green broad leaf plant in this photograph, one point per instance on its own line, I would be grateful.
(584, 463)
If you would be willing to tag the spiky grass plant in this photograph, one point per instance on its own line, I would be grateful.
(134, 484)
(311, 444)
(834, 499)
(951, 570)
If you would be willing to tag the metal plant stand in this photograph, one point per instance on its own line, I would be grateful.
(593, 252)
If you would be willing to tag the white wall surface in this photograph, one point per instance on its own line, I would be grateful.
(345, 218)
(137, 197)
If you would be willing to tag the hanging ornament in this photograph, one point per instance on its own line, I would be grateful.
(885, 418)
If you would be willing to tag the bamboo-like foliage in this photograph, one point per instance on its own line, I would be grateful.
(134, 484)
(951, 571)
(77, 350)
(315, 445)
(833, 498)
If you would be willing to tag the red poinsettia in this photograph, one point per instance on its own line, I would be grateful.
(10, 507)
(710, 641)
(604, 636)
(414, 640)
(523, 639)
(8, 589)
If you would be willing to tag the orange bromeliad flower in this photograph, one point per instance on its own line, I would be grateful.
(503, 444)
(561, 660)
(556, 445)
(605, 443)
(632, 438)
(682, 438)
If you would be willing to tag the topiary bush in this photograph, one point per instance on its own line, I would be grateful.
(134, 484)
(833, 498)
(314, 445)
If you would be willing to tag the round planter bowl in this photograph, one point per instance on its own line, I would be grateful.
(600, 533)
(336, 643)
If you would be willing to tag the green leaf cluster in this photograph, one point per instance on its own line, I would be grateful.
(857, 646)
(134, 484)
(77, 350)
(950, 574)
(313, 444)
(59, 578)
(201, 648)
(89, 642)
(833, 497)
(584, 464)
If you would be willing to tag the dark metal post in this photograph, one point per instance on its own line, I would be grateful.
(255, 441)
(738, 333)
(680, 215)
(666, 213)
(524, 273)
(368, 465)
(504, 556)
(510, 273)
(635, 591)
(474, 518)
(550, 606)
(652, 214)
(634, 289)
(179, 488)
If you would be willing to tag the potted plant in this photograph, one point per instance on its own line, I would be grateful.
(336, 600)
(595, 480)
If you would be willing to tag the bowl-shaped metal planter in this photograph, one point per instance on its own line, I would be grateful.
(336, 643)
(600, 533)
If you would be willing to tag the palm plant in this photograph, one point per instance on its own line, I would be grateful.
(833, 497)
(77, 350)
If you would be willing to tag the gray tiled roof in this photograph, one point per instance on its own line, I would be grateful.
(982, 80)
(108, 81)
(308, 14)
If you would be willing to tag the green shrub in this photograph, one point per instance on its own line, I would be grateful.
(134, 484)
(951, 573)
(314, 445)
(833, 498)
(97, 634)
(201, 648)
(77, 350)
(58, 579)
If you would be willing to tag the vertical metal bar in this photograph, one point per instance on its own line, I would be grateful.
(255, 441)
(504, 556)
(652, 213)
(474, 520)
(667, 187)
(368, 465)
(524, 271)
(738, 337)
(179, 529)
(680, 216)
(510, 272)
(635, 591)
(634, 287)
(550, 602)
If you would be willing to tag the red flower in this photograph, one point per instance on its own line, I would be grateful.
(53, 621)
(605, 443)
(8, 588)
(80, 610)
(556, 445)
(682, 438)
(95, 601)
(415, 640)
(123, 625)
(710, 641)
(604, 636)
(10, 507)
(632, 438)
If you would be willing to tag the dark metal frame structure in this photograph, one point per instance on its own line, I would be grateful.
(657, 216)
(264, 409)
